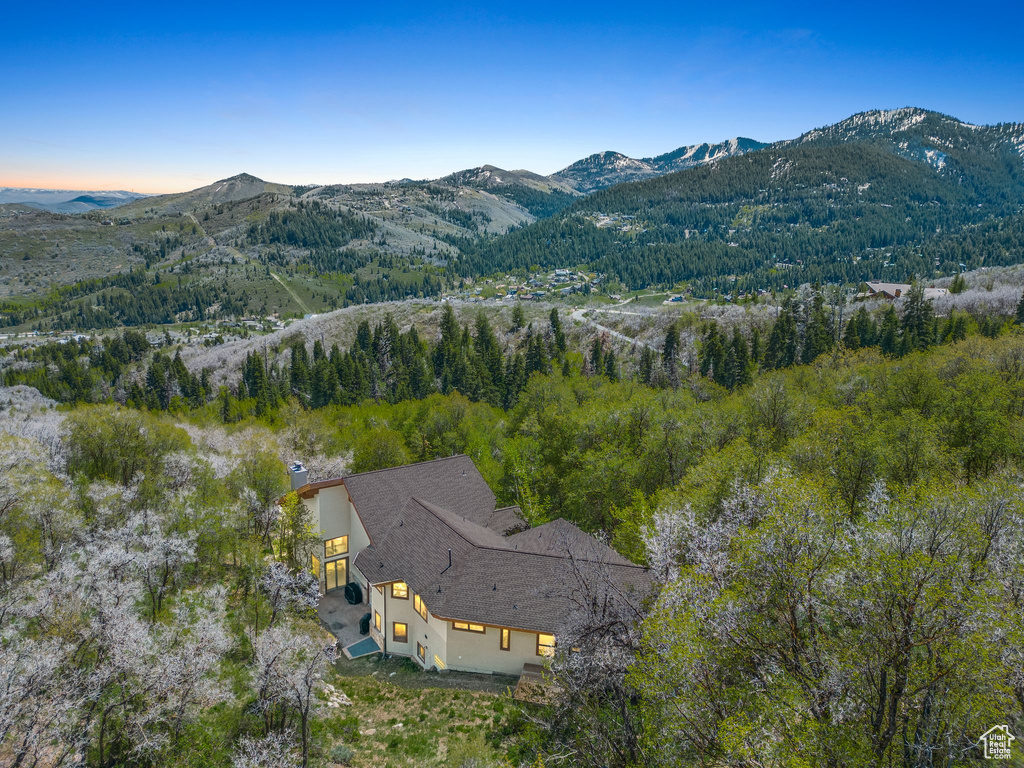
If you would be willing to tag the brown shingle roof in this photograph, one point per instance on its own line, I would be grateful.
(531, 591)
(506, 520)
(560, 536)
(417, 514)
(488, 579)
(453, 483)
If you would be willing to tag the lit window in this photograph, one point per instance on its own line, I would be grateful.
(545, 645)
(467, 627)
(420, 606)
(399, 632)
(376, 621)
(421, 652)
(314, 565)
(335, 547)
(506, 639)
(400, 590)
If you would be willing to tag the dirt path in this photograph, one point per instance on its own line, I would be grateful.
(292, 293)
(209, 240)
(213, 244)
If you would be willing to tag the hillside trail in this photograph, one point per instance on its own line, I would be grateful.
(235, 252)
(292, 293)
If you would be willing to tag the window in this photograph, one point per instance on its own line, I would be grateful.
(314, 565)
(545, 645)
(421, 652)
(399, 632)
(400, 590)
(420, 606)
(376, 621)
(463, 626)
(335, 547)
(506, 639)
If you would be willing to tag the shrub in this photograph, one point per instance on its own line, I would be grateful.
(342, 754)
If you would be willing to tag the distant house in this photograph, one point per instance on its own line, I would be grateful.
(893, 291)
(451, 581)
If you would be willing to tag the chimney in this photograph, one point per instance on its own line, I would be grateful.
(298, 474)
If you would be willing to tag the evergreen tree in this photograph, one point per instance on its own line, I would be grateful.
(515, 380)
(712, 357)
(851, 335)
(888, 335)
(781, 349)
(670, 352)
(518, 317)
(739, 372)
(596, 357)
(611, 369)
(646, 368)
(817, 332)
(536, 356)
(755, 345)
(557, 333)
(299, 373)
(489, 360)
(918, 319)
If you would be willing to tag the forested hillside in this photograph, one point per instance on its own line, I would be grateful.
(835, 534)
(885, 195)
(924, 195)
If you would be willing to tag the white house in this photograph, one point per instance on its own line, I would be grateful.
(450, 580)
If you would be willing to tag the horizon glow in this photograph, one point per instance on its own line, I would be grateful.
(166, 99)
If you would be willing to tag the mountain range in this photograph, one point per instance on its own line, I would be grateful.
(66, 200)
(606, 169)
(884, 194)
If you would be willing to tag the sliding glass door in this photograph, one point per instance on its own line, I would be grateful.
(336, 573)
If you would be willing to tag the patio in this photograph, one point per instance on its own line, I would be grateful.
(341, 618)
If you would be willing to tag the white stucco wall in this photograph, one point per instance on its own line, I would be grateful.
(475, 652)
(431, 633)
(458, 650)
(333, 515)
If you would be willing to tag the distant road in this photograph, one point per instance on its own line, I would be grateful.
(578, 316)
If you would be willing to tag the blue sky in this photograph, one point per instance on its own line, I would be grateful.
(170, 98)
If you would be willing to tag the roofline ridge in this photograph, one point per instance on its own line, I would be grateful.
(490, 548)
(406, 466)
(563, 557)
(423, 503)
